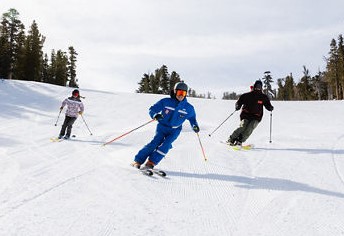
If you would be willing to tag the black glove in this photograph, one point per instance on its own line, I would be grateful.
(237, 107)
(271, 108)
(158, 117)
(195, 128)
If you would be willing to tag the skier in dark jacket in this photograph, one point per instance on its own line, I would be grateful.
(251, 114)
(170, 114)
(74, 108)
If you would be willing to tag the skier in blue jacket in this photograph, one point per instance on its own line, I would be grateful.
(170, 114)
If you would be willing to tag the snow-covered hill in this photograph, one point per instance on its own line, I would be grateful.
(292, 186)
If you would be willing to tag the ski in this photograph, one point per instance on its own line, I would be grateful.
(146, 172)
(245, 147)
(159, 172)
(150, 172)
(55, 139)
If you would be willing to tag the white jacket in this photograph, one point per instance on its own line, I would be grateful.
(74, 106)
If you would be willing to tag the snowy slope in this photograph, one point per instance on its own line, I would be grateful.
(292, 186)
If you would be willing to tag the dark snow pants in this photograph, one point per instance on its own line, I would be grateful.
(67, 124)
(244, 131)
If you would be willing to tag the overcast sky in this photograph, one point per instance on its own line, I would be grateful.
(215, 45)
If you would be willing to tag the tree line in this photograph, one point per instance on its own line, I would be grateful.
(162, 82)
(325, 85)
(22, 57)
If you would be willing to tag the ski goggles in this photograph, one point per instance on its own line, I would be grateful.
(181, 93)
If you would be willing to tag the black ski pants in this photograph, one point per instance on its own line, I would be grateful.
(244, 131)
(67, 124)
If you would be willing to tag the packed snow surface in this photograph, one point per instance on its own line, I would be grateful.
(291, 186)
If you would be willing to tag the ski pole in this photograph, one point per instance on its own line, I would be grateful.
(86, 124)
(199, 140)
(58, 117)
(128, 132)
(270, 126)
(222, 123)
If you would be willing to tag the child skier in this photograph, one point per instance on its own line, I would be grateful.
(74, 108)
(170, 114)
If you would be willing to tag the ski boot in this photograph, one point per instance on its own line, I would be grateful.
(136, 165)
(231, 142)
(148, 166)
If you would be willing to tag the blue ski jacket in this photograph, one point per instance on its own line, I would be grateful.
(174, 112)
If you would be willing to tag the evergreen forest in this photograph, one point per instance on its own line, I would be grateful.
(22, 57)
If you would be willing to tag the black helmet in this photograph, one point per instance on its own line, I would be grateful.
(258, 85)
(180, 86)
(75, 92)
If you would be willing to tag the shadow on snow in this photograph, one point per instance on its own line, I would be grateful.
(306, 150)
(260, 183)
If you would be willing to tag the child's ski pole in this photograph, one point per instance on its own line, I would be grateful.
(58, 117)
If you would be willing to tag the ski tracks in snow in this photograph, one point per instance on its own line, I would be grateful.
(192, 177)
(55, 168)
(337, 158)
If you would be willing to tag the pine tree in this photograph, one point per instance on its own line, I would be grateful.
(154, 82)
(290, 87)
(144, 84)
(52, 68)
(281, 95)
(332, 74)
(13, 31)
(72, 68)
(158, 83)
(33, 59)
(341, 66)
(304, 87)
(230, 96)
(45, 69)
(286, 88)
(18, 70)
(192, 93)
(320, 86)
(267, 80)
(164, 80)
(175, 78)
(61, 70)
(5, 57)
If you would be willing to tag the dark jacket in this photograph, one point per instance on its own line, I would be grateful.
(253, 103)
